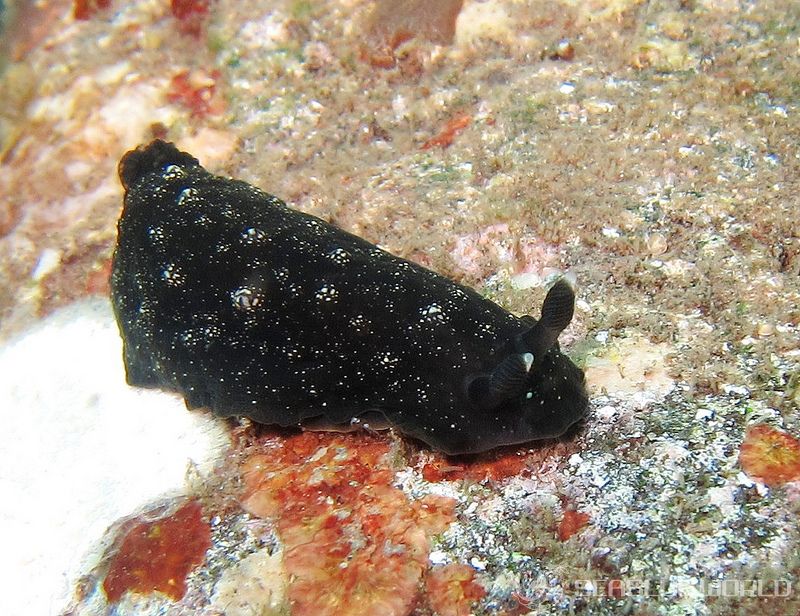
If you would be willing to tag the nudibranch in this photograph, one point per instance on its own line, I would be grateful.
(243, 305)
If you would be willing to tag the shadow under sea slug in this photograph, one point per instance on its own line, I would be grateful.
(224, 294)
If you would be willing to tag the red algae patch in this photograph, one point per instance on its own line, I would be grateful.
(197, 92)
(353, 543)
(452, 589)
(84, 9)
(771, 455)
(495, 466)
(97, 279)
(571, 523)
(157, 556)
(191, 15)
(451, 129)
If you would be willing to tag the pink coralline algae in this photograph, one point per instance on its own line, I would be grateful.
(353, 543)
(452, 589)
(394, 23)
(480, 253)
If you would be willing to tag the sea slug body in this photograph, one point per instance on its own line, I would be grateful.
(224, 294)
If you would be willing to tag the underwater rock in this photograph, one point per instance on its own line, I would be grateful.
(243, 305)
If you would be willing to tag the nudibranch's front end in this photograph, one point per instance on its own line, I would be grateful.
(245, 306)
(533, 391)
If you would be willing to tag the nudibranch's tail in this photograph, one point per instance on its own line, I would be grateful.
(510, 378)
(151, 157)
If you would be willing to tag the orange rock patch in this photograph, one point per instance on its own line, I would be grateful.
(771, 455)
(571, 523)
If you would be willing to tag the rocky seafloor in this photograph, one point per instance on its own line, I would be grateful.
(648, 148)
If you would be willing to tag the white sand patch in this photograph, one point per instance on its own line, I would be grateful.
(80, 450)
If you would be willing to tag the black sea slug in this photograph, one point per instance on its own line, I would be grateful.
(242, 305)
